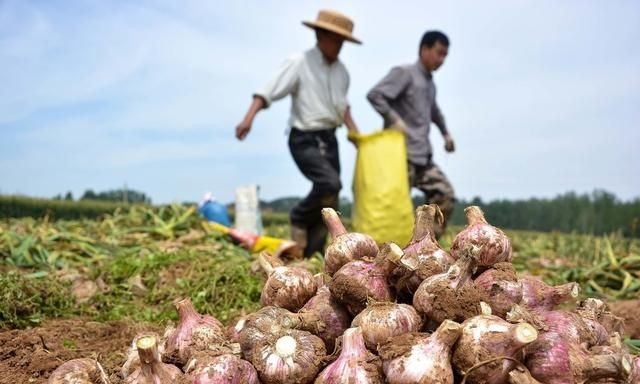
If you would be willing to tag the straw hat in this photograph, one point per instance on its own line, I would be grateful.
(335, 22)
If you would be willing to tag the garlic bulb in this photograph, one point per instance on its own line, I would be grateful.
(484, 242)
(379, 321)
(344, 247)
(152, 370)
(194, 332)
(289, 357)
(355, 365)
(204, 368)
(419, 357)
(286, 287)
(79, 371)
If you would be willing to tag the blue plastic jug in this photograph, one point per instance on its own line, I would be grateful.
(214, 211)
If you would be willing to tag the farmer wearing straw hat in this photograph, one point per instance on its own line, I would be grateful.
(317, 82)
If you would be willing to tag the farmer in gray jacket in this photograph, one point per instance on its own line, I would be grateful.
(406, 98)
(317, 82)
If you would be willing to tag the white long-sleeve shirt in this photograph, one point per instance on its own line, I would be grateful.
(318, 90)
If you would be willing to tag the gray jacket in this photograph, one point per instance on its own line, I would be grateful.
(408, 93)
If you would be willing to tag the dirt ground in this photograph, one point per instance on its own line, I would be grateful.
(29, 356)
(629, 310)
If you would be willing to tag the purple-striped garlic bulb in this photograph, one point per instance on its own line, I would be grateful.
(379, 321)
(288, 357)
(345, 246)
(80, 371)
(536, 294)
(286, 287)
(194, 332)
(575, 328)
(253, 328)
(332, 315)
(360, 281)
(204, 368)
(487, 337)
(354, 365)
(421, 358)
(486, 243)
(556, 359)
(423, 256)
(500, 288)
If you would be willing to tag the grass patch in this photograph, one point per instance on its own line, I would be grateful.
(27, 301)
(216, 277)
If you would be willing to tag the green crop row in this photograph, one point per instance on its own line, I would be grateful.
(21, 206)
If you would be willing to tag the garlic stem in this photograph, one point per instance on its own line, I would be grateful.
(333, 222)
(264, 263)
(475, 215)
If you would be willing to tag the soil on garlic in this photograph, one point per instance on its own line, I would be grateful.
(504, 271)
(429, 268)
(425, 270)
(31, 355)
(629, 310)
(401, 345)
(500, 272)
(275, 288)
(353, 295)
(373, 366)
(454, 305)
(476, 376)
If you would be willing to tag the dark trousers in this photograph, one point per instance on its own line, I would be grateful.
(437, 190)
(316, 155)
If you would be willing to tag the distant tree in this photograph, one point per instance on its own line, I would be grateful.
(89, 195)
(68, 196)
(476, 201)
(118, 195)
(283, 204)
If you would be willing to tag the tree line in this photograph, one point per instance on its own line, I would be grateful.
(114, 195)
(599, 212)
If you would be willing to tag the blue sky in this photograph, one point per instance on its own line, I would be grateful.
(541, 97)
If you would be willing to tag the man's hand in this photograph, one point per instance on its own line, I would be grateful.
(392, 120)
(352, 136)
(395, 122)
(351, 126)
(242, 130)
(448, 143)
(399, 125)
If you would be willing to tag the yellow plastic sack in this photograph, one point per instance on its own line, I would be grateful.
(382, 200)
